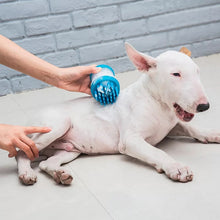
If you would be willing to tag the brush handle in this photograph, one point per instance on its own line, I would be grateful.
(105, 87)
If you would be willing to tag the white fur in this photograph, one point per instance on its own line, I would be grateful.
(142, 116)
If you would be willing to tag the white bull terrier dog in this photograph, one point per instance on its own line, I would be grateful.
(159, 103)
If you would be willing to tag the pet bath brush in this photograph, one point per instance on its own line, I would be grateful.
(104, 86)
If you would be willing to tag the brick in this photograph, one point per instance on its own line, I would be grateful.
(150, 42)
(20, 84)
(5, 87)
(121, 64)
(174, 5)
(184, 18)
(84, 18)
(23, 9)
(6, 72)
(48, 25)
(58, 6)
(206, 47)
(3, 1)
(78, 38)
(142, 9)
(62, 59)
(101, 51)
(38, 45)
(194, 34)
(124, 29)
(214, 13)
(12, 29)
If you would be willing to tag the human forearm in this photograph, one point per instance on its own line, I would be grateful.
(72, 79)
(17, 58)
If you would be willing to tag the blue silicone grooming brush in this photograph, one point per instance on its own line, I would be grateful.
(104, 86)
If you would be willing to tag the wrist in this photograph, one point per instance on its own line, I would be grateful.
(57, 76)
(51, 75)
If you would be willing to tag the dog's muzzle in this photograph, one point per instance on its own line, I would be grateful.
(182, 114)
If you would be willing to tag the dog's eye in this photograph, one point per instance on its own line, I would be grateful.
(176, 74)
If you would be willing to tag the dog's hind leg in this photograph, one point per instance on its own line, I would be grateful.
(60, 126)
(53, 167)
(26, 174)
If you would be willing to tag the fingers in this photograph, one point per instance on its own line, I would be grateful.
(17, 138)
(30, 130)
(87, 91)
(31, 145)
(12, 152)
(28, 146)
(91, 69)
(24, 147)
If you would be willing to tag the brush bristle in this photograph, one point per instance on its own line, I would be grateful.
(106, 94)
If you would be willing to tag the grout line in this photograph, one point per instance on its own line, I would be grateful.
(49, 6)
(87, 188)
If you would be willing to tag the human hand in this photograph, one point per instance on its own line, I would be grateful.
(12, 136)
(76, 78)
(73, 79)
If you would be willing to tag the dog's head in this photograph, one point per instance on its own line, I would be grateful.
(175, 79)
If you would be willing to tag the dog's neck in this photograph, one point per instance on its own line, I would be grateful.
(152, 89)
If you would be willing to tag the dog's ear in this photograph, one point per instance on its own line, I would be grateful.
(186, 51)
(140, 60)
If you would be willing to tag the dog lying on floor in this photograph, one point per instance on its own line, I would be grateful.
(159, 103)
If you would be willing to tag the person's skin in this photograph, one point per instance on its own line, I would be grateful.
(72, 79)
(12, 136)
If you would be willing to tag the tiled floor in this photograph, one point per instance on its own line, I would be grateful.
(115, 186)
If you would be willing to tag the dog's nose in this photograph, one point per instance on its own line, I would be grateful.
(202, 107)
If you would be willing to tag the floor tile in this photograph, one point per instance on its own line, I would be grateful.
(43, 97)
(8, 105)
(129, 189)
(46, 199)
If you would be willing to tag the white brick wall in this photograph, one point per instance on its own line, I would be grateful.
(23, 9)
(94, 16)
(75, 32)
(49, 24)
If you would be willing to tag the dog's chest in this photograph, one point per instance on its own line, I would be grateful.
(158, 124)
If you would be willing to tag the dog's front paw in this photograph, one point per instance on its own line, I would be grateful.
(62, 176)
(179, 172)
(28, 178)
(209, 137)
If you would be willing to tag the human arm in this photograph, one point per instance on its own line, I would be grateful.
(72, 79)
